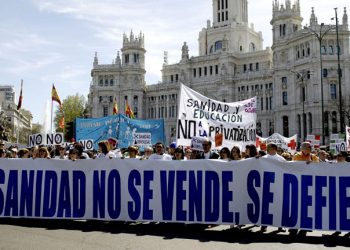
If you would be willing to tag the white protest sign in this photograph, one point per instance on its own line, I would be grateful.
(87, 144)
(200, 116)
(197, 143)
(45, 139)
(142, 139)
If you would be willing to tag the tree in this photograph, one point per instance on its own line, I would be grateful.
(72, 107)
(5, 128)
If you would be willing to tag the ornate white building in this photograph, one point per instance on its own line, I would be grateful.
(232, 65)
(17, 119)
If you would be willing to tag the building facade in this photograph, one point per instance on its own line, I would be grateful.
(232, 65)
(18, 120)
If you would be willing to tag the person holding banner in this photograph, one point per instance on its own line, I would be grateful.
(44, 153)
(305, 154)
(250, 151)
(147, 153)
(159, 154)
(207, 152)
(103, 149)
(132, 152)
(235, 153)
(179, 154)
(271, 149)
(61, 152)
(224, 154)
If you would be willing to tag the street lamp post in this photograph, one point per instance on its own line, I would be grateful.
(342, 129)
(301, 77)
(320, 35)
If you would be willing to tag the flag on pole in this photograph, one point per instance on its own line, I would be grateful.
(128, 111)
(61, 123)
(20, 97)
(115, 108)
(55, 96)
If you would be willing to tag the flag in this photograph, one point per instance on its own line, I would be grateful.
(55, 96)
(128, 111)
(61, 123)
(20, 97)
(115, 108)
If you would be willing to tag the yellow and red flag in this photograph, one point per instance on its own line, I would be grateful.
(19, 105)
(55, 96)
(61, 123)
(115, 108)
(128, 111)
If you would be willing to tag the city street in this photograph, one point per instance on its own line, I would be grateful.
(60, 234)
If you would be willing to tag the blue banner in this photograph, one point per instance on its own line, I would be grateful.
(127, 131)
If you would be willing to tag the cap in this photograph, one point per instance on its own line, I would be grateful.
(112, 141)
(133, 148)
(172, 145)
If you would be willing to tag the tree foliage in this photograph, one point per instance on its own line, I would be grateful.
(5, 127)
(72, 107)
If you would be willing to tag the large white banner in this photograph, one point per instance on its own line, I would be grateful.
(253, 191)
(200, 116)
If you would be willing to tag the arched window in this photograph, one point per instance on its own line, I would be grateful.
(330, 50)
(218, 45)
(101, 82)
(106, 82)
(285, 121)
(323, 50)
(111, 82)
(251, 47)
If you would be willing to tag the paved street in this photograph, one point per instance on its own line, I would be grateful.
(59, 234)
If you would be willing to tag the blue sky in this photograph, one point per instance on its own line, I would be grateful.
(54, 41)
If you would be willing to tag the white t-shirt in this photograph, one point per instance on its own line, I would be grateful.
(110, 154)
(163, 157)
(117, 153)
(275, 157)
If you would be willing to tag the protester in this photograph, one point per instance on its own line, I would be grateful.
(159, 154)
(179, 154)
(103, 149)
(23, 153)
(2, 153)
(188, 154)
(207, 152)
(235, 153)
(43, 153)
(133, 152)
(341, 157)
(305, 154)
(271, 149)
(147, 153)
(34, 152)
(114, 147)
(322, 155)
(172, 148)
(250, 151)
(224, 154)
(287, 156)
(61, 150)
(13, 150)
(73, 154)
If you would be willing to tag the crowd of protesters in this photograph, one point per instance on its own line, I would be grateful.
(109, 149)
